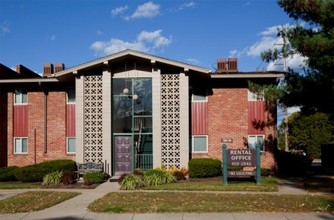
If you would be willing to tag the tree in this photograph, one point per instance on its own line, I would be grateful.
(314, 89)
(309, 132)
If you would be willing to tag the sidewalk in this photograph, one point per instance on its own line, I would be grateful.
(75, 208)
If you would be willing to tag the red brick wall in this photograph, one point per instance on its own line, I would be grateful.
(56, 128)
(3, 129)
(228, 118)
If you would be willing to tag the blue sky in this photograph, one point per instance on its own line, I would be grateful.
(34, 32)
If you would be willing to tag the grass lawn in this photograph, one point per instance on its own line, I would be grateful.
(157, 202)
(33, 201)
(268, 184)
(19, 185)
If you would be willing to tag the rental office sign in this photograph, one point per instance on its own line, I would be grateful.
(241, 158)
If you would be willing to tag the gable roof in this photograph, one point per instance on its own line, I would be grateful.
(116, 57)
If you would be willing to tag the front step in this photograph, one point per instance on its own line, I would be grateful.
(114, 179)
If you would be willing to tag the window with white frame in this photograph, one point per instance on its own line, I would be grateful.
(199, 98)
(200, 144)
(255, 96)
(20, 96)
(71, 95)
(20, 145)
(71, 148)
(253, 140)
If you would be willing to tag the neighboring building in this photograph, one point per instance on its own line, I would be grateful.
(133, 110)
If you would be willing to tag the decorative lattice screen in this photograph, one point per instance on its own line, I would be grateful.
(170, 120)
(93, 119)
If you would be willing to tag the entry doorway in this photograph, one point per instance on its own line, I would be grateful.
(123, 154)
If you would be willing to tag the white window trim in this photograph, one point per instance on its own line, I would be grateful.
(192, 99)
(14, 97)
(258, 135)
(67, 99)
(67, 147)
(192, 143)
(14, 146)
(254, 97)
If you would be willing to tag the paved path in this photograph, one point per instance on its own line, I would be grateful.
(75, 208)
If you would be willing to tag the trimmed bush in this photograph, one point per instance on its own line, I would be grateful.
(8, 173)
(158, 177)
(265, 172)
(131, 182)
(93, 177)
(53, 178)
(69, 177)
(204, 167)
(36, 172)
(179, 175)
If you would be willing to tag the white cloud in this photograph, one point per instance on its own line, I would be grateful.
(155, 38)
(233, 53)
(52, 37)
(114, 46)
(119, 10)
(146, 10)
(270, 40)
(146, 41)
(99, 32)
(193, 61)
(4, 28)
(187, 5)
(245, 4)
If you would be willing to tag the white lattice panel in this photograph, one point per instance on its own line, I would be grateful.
(93, 119)
(170, 120)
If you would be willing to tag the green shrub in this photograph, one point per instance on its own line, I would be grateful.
(53, 178)
(265, 172)
(31, 173)
(179, 175)
(93, 177)
(139, 172)
(36, 172)
(69, 177)
(131, 182)
(8, 173)
(204, 167)
(158, 177)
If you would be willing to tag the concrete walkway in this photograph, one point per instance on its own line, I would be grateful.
(75, 208)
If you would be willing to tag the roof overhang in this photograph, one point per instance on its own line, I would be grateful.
(251, 75)
(126, 54)
(37, 80)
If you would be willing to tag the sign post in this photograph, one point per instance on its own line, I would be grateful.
(224, 164)
(258, 163)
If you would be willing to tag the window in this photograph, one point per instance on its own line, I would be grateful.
(71, 96)
(20, 145)
(199, 98)
(20, 97)
(71, 145)
(200, 144)
(252, 96)
(254, 139)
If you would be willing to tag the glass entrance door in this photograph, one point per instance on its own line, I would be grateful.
(132, 124)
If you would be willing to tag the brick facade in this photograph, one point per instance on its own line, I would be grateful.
(55, 127)
(3, 129)
(227, 118)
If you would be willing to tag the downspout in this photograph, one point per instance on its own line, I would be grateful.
(45, 122)
(35, 156)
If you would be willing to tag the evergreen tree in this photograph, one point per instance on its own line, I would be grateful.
(313, 89)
